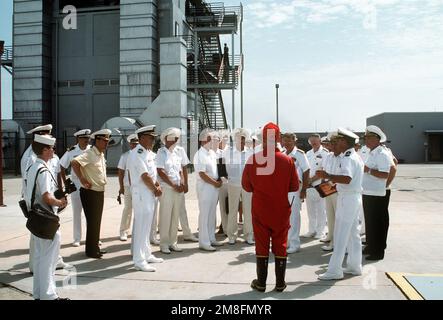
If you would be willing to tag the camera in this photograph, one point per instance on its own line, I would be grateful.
(69, 188)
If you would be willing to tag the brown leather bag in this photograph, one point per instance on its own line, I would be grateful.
(325, 189)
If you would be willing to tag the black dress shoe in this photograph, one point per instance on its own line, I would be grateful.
(95, 256)
(375, 257)
(62, 298)
(256, 286)
(102, 252)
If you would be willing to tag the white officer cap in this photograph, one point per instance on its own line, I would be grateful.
(47, 127)
(205, 133)
(342, 132)
(45, 139)
(224, 134)
(170, 133)
(240, 132)
(371, 130)
(332, 135)
(84, 133)
(104, 133)
(257, 135)
(148, 130)
(324, 139)
(132, 138)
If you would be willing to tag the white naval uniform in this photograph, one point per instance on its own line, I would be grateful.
(301, 165)
(206, 161)
(363, 153)
(26, 162)
(331, 165)
(171, 202)
(349, 201)
(187, 233)
(222, 195)
(314, 203)
(45, 252)
(77, 207)
(125, 223)
(235, 163)
(141, 161)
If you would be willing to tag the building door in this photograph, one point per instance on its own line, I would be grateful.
(436, 147)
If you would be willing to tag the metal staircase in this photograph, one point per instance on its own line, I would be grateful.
(7, 59)
(215, 70)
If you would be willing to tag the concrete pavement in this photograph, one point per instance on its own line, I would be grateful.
(414, 245)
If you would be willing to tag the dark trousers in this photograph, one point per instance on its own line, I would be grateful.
(377, 222)
(92, 202)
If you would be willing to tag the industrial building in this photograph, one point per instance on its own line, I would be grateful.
(122, 64)
(414, 137)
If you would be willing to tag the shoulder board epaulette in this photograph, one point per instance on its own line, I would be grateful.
(301, 151)
(71, 148)
(348, 153)
(140, 151)
(319, 156)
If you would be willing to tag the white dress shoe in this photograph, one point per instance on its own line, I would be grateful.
(328, 248)
(76, 244)
(325, 239)
(207, 248)
(145, 268)
(217, 244)
(292, 250)
(155, 242)
(100, 243)
(330, 276)
(319, 236)
(175, 248)
(250, 240)
(352, 271)
(165, 250)
(153, 259)
(191, 238)
(231, 241)
(63, 265)
(308, 235)
(123, 236)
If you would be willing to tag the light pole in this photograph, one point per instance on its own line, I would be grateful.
(2, 49)
(276, 98)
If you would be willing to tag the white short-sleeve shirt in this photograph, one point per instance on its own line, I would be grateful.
(315, 160)
(122, 165)
(235, 161)
(205, 161)
(351, 166)
(45, 184)
(66, 159)
(171, 163)
(378, 159)
(301, 162)
(180, 151)
(141, 161)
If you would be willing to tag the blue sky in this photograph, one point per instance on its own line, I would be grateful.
(337, 61)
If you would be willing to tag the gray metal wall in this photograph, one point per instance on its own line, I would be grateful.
(32, 68)
(88, 71)
(139, 59)
(406, 131)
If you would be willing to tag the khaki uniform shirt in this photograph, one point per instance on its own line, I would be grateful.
(93, 168)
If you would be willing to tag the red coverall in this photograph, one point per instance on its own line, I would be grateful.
(270, 206)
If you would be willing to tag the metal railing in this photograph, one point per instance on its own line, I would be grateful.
(215, 15)
(7, 55)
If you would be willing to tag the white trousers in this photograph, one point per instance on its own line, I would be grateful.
(331, 207)
(235, 194)
(207, 205)
(155, 223)
(77, 209)
(295, 220)
(144, 205)
(184, 221)
(32, 254)
(346, 234)
(222, 194)
(171, 204)
(125, 223)
(316, 212)
(45, 259)
(361, 217)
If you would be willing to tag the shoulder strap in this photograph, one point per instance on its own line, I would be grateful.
(40, 170)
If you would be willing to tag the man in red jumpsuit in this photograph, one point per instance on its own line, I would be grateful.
(270, 175)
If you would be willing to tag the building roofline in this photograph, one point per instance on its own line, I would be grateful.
(411, 112)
